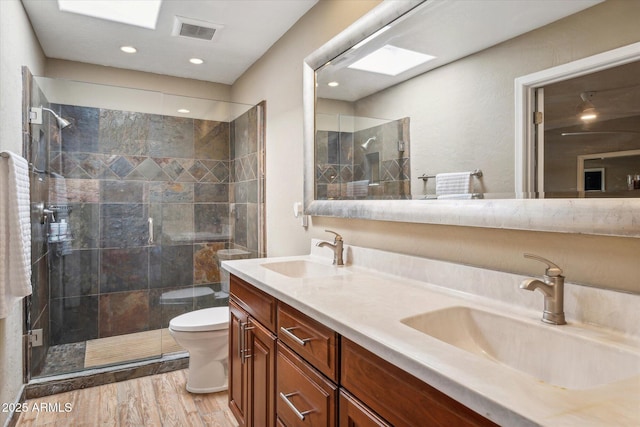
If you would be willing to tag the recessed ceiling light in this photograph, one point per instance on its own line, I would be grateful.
(333, 84)
(183, 111)
(196, 61)
(139, 13)
(128, 49)
(391, 60)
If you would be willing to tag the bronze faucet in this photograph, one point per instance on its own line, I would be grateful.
(337, 247)
(553, 289)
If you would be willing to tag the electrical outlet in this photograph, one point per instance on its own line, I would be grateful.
(36, 337)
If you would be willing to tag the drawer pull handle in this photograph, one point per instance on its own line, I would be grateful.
(287, 332)
(299, 414)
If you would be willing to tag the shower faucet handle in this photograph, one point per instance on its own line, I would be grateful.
(43, 213)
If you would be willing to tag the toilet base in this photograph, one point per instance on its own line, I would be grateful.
(206, 375)
(208, 390)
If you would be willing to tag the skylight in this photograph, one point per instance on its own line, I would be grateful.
(391, 60)
(139, 13)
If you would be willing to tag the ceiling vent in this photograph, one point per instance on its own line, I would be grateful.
(195, 29)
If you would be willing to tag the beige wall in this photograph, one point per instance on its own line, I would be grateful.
(18, 47)
(276, 77)
(467, 106)
(71, 70)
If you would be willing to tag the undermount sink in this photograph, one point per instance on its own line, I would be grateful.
(300, 269)
(542, 351)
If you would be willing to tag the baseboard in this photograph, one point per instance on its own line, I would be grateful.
(12, 421)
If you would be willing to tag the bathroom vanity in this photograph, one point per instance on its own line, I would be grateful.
(397, 340)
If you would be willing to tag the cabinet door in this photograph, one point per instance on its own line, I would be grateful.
(354, 413)
(260, 358)
(238, 384)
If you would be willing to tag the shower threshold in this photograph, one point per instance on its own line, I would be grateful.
(75, 357)
(90, 377)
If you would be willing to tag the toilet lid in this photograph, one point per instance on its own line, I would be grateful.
(207, 319)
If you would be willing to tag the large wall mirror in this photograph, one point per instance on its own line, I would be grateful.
(415, 113)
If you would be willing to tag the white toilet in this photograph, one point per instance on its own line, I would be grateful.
(204, 334)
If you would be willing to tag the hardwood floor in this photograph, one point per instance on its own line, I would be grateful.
(157, 400)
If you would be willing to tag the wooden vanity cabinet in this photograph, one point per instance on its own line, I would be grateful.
(252, 355)
(399, 397)
(288, 370)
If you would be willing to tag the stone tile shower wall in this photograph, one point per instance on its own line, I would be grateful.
(122, 168)
(339, 160)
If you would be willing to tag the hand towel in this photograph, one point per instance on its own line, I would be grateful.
(358, 188)
(15, 231)
(456, 196)
(454, 183)
(58, 189)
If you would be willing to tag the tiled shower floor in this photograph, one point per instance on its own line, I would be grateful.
(64, 358)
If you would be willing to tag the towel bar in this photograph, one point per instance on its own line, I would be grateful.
(476, 172)
(435, 197)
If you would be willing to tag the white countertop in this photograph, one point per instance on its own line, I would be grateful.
(367, 306)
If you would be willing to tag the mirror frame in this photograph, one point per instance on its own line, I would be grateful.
(611, 217)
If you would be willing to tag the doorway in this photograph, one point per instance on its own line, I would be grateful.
(547, 147)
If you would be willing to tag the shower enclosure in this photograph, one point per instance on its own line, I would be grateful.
(134, 205)
(362, 158)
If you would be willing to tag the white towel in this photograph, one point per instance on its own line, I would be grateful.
(58, 189)
(456, 196)
(454, 183)
(15, 231)
(358, 188)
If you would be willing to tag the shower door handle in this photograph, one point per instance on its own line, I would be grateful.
(150, 221)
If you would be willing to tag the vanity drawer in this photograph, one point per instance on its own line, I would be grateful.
(313, 341)
(399, 397)
(258, 304)
(304, 397)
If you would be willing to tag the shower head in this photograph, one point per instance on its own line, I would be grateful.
(35, 117)
(63, 123)
(365, 145)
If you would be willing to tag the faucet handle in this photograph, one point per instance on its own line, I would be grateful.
(338, 237)
(552, 269)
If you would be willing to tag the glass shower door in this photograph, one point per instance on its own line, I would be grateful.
(148, 198)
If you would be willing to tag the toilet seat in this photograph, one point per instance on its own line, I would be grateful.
(207, 319)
